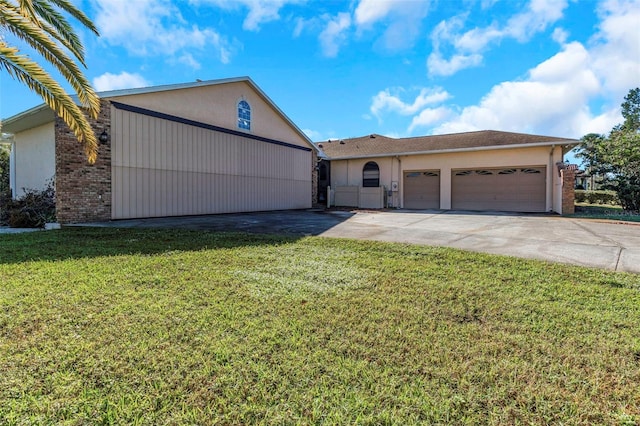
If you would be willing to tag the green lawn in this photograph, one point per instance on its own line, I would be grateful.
(107, 326)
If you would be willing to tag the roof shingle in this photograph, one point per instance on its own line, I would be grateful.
(377, 145)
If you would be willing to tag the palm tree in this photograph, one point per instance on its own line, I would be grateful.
(41, 24)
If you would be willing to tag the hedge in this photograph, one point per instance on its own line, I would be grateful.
(596, 197)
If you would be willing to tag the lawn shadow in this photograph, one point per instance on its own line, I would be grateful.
(154, 236)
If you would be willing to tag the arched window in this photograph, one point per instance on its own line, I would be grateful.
(371, 175)
(244, 115)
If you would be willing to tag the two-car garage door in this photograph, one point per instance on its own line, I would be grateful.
(518, 189)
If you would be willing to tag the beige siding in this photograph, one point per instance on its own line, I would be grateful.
(217, 105)
(349, 172)
(165, 168)
(34, 158)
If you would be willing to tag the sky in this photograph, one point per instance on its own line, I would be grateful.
(400, 68)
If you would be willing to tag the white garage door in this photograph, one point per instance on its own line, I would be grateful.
(516, 189)
(422, 189)
(165, 166)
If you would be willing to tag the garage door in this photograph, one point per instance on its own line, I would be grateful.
(516, 189)
(162, 166)
(422, 189)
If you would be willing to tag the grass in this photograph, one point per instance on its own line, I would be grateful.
(609, 212)
(108, 326)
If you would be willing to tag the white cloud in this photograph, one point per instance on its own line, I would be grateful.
(402, 20)
(429, 116)
(155, 27)
(469, 45)
(312, 134)
(386, 101)
(553, 99)
(334, 34)
(615, 48)
(371, 11)
(560, 35)
(439, 66)
(556, 95)
(260, 11)
(124, 80)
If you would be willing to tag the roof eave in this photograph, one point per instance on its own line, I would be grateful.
(564, 143)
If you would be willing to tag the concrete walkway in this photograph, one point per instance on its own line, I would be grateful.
(599, 244)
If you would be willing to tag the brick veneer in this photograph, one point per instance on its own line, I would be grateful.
(83, 190)
(568, 191)
(314, 179)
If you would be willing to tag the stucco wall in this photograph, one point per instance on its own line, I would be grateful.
(34, 156)
(217, 105)
(349, 172)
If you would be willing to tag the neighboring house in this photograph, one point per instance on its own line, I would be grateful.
(219, 146)
(484, 170)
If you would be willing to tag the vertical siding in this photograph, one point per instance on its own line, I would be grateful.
(162, 168)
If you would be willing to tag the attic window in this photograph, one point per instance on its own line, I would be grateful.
(244, 115)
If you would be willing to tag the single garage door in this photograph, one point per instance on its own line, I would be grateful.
(515, 189)
(422, 189)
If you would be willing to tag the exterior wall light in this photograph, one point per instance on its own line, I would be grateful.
(104, 137)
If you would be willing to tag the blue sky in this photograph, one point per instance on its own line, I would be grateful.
(402, 68)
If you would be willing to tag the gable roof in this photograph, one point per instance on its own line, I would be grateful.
(382, 146)
(42, 114)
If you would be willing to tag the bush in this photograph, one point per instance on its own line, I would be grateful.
(629, 194)
(32, 210)
(596, 197)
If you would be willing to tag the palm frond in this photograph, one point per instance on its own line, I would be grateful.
(38, 39)
(54, 23)
(37, 79)
(68, 7)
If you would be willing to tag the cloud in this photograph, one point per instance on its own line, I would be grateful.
(553, 99)
(386, 101)
(556, 96)
(124, 80)
(334, 34)
(429, 116)
(467, 46)
(313, 134)
(260, 11)
(439, 66)
(402, 20)
(615, 48)
(156, 28)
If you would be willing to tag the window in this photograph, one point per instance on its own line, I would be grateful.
(371, 175)
(244, 115)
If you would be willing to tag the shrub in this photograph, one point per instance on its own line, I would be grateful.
(32, 210)
(596, 197)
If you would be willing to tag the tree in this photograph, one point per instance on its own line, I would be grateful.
(617, 156)
(42, 25)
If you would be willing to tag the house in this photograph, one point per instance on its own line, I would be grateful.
(483, 170)
(219, 146)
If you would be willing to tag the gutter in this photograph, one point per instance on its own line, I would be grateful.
(470, 149)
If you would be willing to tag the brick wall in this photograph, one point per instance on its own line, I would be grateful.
(568, 191)
(83, 190)
(314, 179)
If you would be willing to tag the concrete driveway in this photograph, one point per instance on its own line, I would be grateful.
(598, 244)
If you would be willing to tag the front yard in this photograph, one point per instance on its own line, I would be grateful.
(108, 326)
